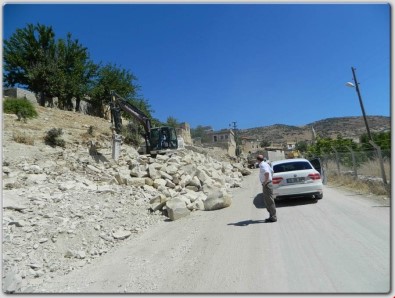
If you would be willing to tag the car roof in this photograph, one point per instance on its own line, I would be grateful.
(288, 161)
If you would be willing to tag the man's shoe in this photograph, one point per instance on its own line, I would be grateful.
(271, 219)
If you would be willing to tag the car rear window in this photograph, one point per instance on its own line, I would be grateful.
(291, 166)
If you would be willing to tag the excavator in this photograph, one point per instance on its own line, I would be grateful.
(158, 140)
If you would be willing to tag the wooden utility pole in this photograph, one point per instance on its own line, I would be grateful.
(361, 103)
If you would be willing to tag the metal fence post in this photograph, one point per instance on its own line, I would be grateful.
(353, 161)
(378, 149)
(337, 160)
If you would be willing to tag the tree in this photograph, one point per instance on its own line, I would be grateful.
(301, 146)
(382, 139)
(172, 122)
(197, 132)
(111, 77)
(29, 60)
(264, 143)
(201, 132)
(77, 72)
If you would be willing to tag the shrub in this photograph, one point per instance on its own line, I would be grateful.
(90, 130)
(53, 138)
(21, 107)
(131, 135)
(22, 138)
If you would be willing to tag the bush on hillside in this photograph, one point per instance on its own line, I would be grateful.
(22, 138)
(53, 139)
(21, 107)
(131, 135)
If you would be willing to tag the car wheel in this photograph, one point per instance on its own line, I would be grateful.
(319, 197)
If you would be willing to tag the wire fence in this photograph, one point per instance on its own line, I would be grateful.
(371, 167)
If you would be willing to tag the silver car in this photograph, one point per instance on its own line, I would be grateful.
(296, 178)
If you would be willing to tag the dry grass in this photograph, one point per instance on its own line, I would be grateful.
(371, 169)
(367, 187)
(22, 138)
(74, 125)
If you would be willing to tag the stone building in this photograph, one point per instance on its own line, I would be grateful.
(249, 144)
(20, 93)
(184, 131)
(224, 139)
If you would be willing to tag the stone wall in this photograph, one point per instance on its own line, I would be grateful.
(20, 93)
(185, 132)
(85, 107)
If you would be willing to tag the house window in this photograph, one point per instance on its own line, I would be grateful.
(226, 137)
(221, 137)
(215, 138)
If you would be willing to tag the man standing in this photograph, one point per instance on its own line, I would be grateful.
(265, 177)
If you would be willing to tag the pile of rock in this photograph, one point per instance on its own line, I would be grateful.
(64, 208)
(185, 181)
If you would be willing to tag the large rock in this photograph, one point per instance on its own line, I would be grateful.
(153, 171)
(217, 200)
(123, 176)
(202, 175)
(176, 209)
(158, 202)
(137, 182)
(171, 169)
(11, 282)
(138, 171)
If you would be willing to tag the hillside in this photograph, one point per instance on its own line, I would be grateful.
(348, 127)
(65, 207)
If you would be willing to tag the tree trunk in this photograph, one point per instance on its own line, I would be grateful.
(69, 104)
(42, 99)
(77, 104)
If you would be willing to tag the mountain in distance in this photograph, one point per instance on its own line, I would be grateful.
(347, 127)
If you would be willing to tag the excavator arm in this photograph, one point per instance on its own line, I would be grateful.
(117, 103)
(157, 139)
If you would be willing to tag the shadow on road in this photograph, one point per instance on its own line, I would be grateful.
(288, 202)
(247, 222)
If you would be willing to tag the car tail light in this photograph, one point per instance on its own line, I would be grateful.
(277, 180)
(315, 176)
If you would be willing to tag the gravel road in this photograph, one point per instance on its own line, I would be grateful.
(340, 244)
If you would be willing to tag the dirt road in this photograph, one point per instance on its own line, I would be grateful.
(340, 244)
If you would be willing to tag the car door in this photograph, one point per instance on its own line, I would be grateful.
(317, 164)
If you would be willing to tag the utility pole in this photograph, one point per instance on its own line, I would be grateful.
(236, 140)
(234, 125)
(361, 103)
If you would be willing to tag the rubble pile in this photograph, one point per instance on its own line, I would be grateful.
(66, 207)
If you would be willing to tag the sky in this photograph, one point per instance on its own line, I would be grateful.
(255, 64)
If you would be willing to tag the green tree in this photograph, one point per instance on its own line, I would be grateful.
(264, 143)
(21, 107)
(29, 60)
(382, 139)
(77, 71)
(172, 122)
(324, 146)
(197, 132)
(111, 77)
(301, 146)
(201, 132)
